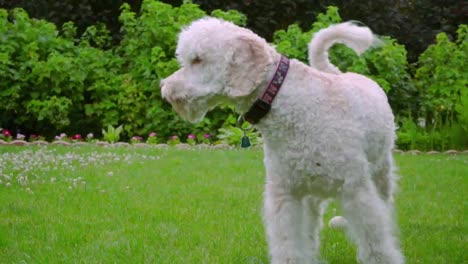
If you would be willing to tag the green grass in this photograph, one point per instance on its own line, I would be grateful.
(129, 205)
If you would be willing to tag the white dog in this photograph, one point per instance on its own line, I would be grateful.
(327, 134)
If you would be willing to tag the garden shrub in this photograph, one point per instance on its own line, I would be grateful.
(442, 78)
(44, 78)
(55, 81)
(442, 81)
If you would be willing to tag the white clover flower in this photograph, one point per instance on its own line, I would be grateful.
(29, 191)
(8, 184)
(90, 135)
(110, 174)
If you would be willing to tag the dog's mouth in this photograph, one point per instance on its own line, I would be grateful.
(187, 112)
(192, 109)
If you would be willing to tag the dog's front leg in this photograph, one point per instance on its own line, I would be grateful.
(283, 220)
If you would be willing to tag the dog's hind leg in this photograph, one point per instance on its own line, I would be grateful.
(384, 178)
(312, 223)
(369, 218)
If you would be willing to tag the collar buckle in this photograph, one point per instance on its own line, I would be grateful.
(258, 110)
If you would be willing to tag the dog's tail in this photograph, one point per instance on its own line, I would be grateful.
(357, 38)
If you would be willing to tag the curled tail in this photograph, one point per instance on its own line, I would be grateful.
(357, 38)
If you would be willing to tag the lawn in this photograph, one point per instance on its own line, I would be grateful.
(146, 205)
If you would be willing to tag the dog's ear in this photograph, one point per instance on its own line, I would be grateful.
(248, 66)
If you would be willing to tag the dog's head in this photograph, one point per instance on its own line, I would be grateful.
(220, 62)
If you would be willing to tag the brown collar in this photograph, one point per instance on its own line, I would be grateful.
(262, 105)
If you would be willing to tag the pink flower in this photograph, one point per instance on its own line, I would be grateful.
(152, 134)
(76, 137)
(191, 136)
(174, 137)
(207, 136)
(7, 132)
(137, 138)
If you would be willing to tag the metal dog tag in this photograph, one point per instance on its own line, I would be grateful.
(245, 141)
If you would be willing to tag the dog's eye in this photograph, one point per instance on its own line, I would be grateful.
(196, 60)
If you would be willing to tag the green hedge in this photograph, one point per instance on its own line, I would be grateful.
(441, 77)
(53, 81)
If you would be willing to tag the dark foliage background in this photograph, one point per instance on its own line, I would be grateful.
(413, 23)
(83, 13)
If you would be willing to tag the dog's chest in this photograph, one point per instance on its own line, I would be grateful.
(302, 172)
(313, 175)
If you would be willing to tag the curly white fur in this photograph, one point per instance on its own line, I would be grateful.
(357, 38)
(326, 136)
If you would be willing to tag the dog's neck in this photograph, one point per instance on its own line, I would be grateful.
(244, 104)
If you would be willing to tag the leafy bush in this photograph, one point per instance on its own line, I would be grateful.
(45, 78)
(112, 134)
(415, 136)
(59, 82)
(442, 80)
(410, 135)
(231, 134)
(462, 109)
(441, 76)
(54, 83)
